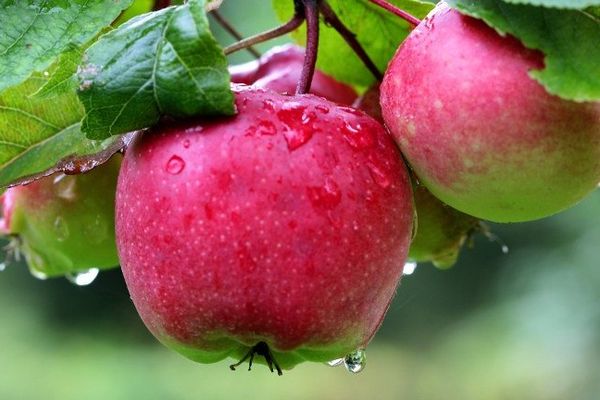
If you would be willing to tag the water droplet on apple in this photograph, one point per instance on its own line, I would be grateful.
(355, 362)
(266, 128)
(186, 143)
(83, 278)
(335, 363)
(298, 127)
(356, 136)
(409, 268)
(379, 175)
(326, 197)
(61, 229)
(65, 186)
(269, 105)
(175, 165)
(323, 109)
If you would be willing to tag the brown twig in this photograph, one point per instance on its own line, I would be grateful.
(232, 31)
(414, 21)
(332, 19)
(311, 13)
(288, 27)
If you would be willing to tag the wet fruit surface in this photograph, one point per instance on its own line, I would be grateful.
(64, 224)
(480, 133)
(271, 228)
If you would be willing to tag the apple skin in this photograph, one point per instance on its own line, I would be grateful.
(288, 223)
(279, 69)
(65, 223)
(479, 132)
(441, 230)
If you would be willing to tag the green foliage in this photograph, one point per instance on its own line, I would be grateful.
(379, 31)
(166, 62)
(62, 79)
(568, 38)
(575, 4)
(37, 133)
(34, 32)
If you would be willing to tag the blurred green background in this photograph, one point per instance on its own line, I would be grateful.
(522, 325)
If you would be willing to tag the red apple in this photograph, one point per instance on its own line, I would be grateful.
(480, 133)
(279, 70)
(282, 230)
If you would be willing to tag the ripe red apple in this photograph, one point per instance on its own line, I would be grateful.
(480, 133)
(282, 230)
(279, 70)
(64, 224)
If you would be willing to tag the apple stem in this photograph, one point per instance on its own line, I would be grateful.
(160, 4)
(332, 19)
(288, 27)
(311, 12)
(414, 21)
(262, 349)
(232, 31)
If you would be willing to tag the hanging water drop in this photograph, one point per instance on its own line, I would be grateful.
(335, 363)
(83, 278)
(38, 274)
(355, 362)
(409, 268)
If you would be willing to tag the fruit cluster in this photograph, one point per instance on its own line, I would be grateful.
(282, 231)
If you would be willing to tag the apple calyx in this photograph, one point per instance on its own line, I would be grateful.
(261, 349)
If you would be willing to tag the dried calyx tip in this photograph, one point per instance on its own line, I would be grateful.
(262, 349)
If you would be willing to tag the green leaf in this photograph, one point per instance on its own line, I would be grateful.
(62, 76)
(161, 63)
(570, 40)
(34, 32)
(379, 32)
(37, 133)
(573, 4)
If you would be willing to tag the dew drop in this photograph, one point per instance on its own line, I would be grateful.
(38, 274)
(61, 229)
(266, 128)
(186, 143)
(269, 105)
(175, 165)
(356, 136)
(2, 266)
(379, 175)
(409, 268)
(335, 363)
(323, 109)
(65, 186)
(326, 197)
(355, 362)
(505, 249)
(83, 278)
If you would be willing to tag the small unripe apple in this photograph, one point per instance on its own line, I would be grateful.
(441, 230)
(281, 231)
(64, 224)
(279, 70)
(480, 133)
